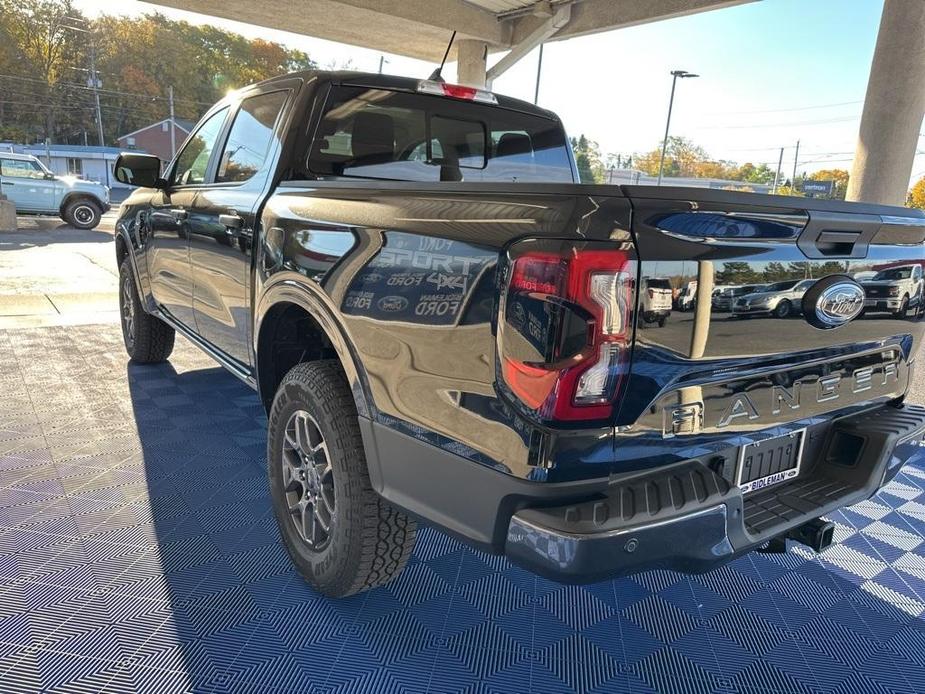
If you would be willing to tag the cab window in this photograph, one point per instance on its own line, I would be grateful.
(384, 134)
(193, 160)
(21, 168)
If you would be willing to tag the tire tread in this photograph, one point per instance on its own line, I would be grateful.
(384, 536)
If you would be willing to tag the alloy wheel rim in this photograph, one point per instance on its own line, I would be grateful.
(128, 311)
(308, 480)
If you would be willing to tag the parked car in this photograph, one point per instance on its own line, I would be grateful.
(35, 190)
(895, 289)
(655, 300)
(686, 299)
(723, 301)
(434, 340)
(780, 299)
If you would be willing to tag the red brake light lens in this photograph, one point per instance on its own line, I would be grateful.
(566, 329)
(456, 91)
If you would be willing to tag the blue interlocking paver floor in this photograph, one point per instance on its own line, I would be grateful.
(138, 553)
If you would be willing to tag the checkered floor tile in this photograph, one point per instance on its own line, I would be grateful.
(138, 554)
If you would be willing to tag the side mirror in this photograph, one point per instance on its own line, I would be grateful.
(49, 177)
(142, 170)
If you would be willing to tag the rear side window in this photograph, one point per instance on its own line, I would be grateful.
(251, 137)
(382, 134)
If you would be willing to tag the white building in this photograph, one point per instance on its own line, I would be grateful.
(90, 162)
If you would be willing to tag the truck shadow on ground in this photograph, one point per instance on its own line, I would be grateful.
(239, 617)
(31, 238)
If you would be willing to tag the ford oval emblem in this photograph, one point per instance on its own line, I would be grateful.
(391, 304)
(833, 301)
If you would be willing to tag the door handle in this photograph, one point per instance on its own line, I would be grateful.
(231, 221)
(179, 214)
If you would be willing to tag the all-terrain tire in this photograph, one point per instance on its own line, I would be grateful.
(369, 542)
(148, 339)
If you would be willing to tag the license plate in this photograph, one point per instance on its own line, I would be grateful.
(770, 462)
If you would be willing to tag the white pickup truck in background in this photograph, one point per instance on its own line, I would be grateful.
(896, 289)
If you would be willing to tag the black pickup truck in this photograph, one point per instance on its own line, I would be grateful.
(443, 324)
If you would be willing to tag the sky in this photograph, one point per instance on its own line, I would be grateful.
(771, 73)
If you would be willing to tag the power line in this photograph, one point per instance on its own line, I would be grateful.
(775, 125)
(71, 85)
(784, 110)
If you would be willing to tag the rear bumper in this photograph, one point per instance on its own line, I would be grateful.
(687, 518)
(883, 304)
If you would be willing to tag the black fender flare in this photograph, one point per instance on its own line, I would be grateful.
(292, 288)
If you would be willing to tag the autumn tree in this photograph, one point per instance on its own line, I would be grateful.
(45, 50)
(588, 160)
(917, 195)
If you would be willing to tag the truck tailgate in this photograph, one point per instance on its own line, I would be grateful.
(764, 363)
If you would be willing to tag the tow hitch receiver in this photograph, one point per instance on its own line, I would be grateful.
(816, 534)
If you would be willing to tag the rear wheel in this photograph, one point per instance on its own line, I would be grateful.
(342, 536)
(82, 213)
(783, 309)
(148, 339)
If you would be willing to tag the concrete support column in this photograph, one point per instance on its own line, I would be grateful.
(470, 66)
(893, 108)
(7, 214)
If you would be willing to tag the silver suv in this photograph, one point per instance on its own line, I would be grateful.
(779, 299)
(36, 190)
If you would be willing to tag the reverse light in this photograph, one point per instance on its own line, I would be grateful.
(566, 328)
(456, 91)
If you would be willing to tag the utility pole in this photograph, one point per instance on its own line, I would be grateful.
(675, 74)
(539, 69)
(793, 179)
(95, 83)
(780, 163)
(173, 127)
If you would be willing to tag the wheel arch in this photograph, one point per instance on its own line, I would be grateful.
(79, 195)
(292, 325)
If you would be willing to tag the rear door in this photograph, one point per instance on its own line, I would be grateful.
(223, 220)
(751, 373)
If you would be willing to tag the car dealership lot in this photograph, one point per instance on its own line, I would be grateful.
(138, 551)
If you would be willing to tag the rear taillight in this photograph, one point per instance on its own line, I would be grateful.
(566, 327)
(651, 293)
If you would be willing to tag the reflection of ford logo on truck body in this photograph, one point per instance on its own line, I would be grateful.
(391, 304)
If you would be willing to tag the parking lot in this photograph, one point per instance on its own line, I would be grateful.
(138, 551)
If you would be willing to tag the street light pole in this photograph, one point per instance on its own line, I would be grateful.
(675, 74)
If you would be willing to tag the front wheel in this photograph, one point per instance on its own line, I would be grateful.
(148, 339)
(82, 213)
(903, 308)
(342, 536)
(782, 310)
